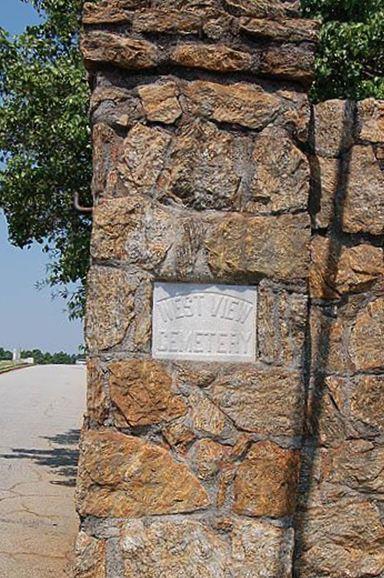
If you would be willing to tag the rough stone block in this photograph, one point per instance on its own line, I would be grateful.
(275, 247)
(100, 47)
(109, 11)
(366, 342)
(160, 102)
(370, 120)
(363, 207)
(110, 307)
(266, 481)
(263, 401)
(90, 557)
(97, 402)
(333, 127)
(337, 270)
(215, 57)
(190, 548)
(283, 29)
(288, 61)
(326, 180)
(142, 391)
(281, 179)
(125, 476)
(281, 326)
(342, 539)
(166, 21)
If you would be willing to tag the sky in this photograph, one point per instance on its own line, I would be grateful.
(29, 318)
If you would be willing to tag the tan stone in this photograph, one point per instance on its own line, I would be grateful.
(289, 61)
(281, 325)
(106, 150)
(247, 246)
(366, 344)
(356, 465)
(178, 435)
(186, 548)
(97, 403)
(204, 171)
(110, 303)
(206, 457)
(367, 401)
(143, 157)
(265, 483)
(333, 127)
(281, 179)
(337, 270)
(217, 57)
(206, 417)
(263, 401)
(239, 103)
(118, 231)
(326, 178)
(288, 29)
(142, 391)
(124, 476)
(103, 47)
(173, 549)
(342, 539)
(329, 336)
(109, 11)
(363, 207)
(160, 102)
(90, 557)
(262, 8)
(261, 550)
(328, 414)
(166, 21)
(370, 120)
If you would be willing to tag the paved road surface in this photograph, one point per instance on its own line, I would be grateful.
(40, 416)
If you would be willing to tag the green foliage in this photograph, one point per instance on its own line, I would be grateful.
(42, 358)
(5, 355)
(45, 143)
(350, 61)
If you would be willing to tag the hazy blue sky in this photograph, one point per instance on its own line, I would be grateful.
(28, 317)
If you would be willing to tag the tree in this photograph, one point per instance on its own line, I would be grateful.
(350, 62)
(45, 135)
(45, 143)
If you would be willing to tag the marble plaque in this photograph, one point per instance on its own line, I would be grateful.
(204, 322)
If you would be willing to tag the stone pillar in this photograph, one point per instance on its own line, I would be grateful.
(339, 522)
(190, 450)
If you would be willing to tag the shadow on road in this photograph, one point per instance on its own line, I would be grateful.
(62, 457)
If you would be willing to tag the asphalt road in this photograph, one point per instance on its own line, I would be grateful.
(41, 411)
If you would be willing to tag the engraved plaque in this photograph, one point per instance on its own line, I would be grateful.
(204, 322)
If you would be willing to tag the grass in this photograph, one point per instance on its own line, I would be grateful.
(9, 365)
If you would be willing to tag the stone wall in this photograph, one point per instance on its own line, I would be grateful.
(210, 166)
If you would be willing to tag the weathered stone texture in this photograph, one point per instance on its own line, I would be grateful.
(333, 127)
(189, 548)
(97, 402)
(108, 48)
(258, 246)
(281, 326)
(363, 206)
(122, 476)
(281, 179)
(342, 539)
(337, 270)
(109, 307)
(366, 345)
(265, 483)
(266, 402)
(142, 391)
(370, 120)
(90, 557)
